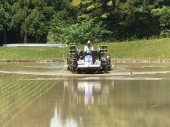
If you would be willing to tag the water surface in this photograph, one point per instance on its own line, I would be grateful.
(140, 99)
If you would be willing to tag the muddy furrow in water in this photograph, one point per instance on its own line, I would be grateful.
(78, 75)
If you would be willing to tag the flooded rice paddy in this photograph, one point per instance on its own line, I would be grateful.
(46, 95)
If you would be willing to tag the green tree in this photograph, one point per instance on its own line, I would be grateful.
(20, 11)
(33, 19)
(136, 19)
(58, 22)
(34, 25)
(125, 18)
(87, 9)
(42, 20)
(86, 30)
(5, 16)
(162, 12)
(64, 17)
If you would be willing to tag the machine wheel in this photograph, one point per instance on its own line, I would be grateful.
(72, 69)
(77, 71)
(106, 68)
(68, 68)
(99, 71)
(109, 68)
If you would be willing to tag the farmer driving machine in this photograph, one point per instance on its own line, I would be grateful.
(94, 62)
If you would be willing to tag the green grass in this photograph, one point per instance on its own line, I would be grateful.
(141, 49)
(32, 53)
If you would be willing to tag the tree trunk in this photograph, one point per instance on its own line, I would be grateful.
(18, 36)
(37, 38)
(25, 38)
(4, 34)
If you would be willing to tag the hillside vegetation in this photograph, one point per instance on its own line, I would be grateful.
(62, 21)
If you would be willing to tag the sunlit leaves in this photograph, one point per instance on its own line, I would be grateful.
(76, 3)
(110, 3)
(105, 15)
(90, 7)
(84, 8)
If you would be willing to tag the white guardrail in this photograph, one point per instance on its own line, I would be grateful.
(34, 45)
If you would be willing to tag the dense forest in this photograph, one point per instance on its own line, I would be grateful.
(63, 21)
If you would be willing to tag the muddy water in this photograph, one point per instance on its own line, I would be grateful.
(131, 95)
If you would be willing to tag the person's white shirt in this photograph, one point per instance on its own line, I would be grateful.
(88, 49)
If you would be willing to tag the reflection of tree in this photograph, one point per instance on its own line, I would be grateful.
(128, 103)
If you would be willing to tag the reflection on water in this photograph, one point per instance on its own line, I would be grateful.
(56, 121)
(88, 88)
(79, 96)
(119, 101)
(84, 102)
(89, 91)
(108, 103)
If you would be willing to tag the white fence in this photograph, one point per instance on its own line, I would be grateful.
(34, 45)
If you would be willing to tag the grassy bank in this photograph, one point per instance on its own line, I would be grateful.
(141, 49)
(32, 53)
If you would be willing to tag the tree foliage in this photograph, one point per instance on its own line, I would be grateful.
(61, 21)
(85, 30)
